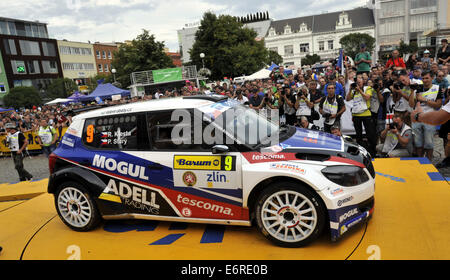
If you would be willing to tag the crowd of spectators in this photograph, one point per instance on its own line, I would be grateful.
(378, 99)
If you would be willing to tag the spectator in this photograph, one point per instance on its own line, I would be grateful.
(363, 60)
(47, 137)
(430, 99)
(287, 102)
(240, 97)
(412, 60)
(331, 108)
(396, 138)
(396, 62)
(443, 52)
(304, 123)
(361, 114)
(303, 105)
(339, 90)
(426, 59)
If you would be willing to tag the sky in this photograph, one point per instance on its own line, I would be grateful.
(120, 20)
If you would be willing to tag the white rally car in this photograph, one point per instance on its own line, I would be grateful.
(123, 162)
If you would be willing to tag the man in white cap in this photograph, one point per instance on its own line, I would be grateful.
(17, 144)
(426, 59)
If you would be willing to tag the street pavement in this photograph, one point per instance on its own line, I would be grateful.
(37, 165)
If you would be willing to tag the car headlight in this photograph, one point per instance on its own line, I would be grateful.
(346, 176)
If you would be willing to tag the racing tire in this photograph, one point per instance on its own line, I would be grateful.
(76, 208)
(289, 214)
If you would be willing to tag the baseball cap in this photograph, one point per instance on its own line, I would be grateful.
(362, 45)
(10, 126)
(426, 51)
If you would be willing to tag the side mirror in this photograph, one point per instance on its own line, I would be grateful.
(219, 149)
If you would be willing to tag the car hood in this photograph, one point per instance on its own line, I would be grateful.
(313, 140)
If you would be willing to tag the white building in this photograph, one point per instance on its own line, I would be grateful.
(295, 38)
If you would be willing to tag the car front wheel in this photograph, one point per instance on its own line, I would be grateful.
(76, 208)
(289, 214)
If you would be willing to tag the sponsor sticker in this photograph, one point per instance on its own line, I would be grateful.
(344, 201)
(335, 192)
(226, 163)
(287, 166)
(204, 205)
(189, 178)
(255, 157)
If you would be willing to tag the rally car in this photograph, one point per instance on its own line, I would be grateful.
(197, 159)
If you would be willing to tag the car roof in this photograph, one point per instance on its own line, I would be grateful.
(185, 102)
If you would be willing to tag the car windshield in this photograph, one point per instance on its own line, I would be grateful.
(244, 125)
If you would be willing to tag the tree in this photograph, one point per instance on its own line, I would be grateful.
(61, 88)
(310, 59)
(405, 48)
(230, 49)
(142, 54)
(351, 43)
(93, 81)
(19, 97)
(274, 57)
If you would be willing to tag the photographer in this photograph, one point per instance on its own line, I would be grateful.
(287, 102)
(303, 105)
(403, 91)
(361, 114)
(378, 105)
(331, 108)
(430, 99)
(17, 144)
(278, 75)
(268, 101)
(397, 138)
(307, 125)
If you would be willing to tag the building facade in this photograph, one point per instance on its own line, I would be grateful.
(30, 57)
(104, 55)
(409, 20)
(4, 87)
(295, 38)
(77, 61)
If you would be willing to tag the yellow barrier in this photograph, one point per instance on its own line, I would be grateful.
(32, 141)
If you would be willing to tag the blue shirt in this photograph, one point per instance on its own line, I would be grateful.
(339, 90)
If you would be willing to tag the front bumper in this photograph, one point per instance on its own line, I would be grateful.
(345, 218)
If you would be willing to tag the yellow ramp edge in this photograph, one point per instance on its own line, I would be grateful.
(22, 190)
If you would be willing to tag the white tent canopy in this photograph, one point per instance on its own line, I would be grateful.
(261, 74)
(59, 100)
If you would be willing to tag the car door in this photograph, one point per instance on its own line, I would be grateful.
(199, 182)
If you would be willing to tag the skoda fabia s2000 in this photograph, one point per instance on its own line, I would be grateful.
(156, 160)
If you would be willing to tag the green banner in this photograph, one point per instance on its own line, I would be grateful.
(167, 75)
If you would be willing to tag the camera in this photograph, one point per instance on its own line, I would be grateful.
(398, 85)
(417, 87)
(376, 86)
(353, 86)
(392, 126)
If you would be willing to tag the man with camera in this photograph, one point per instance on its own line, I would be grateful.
(331, 108)
(402, 92)
(17, 144)
(430, 99)
(278, 75)
(303, 104)
(287, 103)
(378, 105)
(397, 137)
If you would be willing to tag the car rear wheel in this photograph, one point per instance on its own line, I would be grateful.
(290, 215)
(76, 208)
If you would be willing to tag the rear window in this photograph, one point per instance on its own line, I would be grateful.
(119, 132)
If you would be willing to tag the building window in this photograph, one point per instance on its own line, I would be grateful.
(330, 44)
(109, 55)
(104, 54)
(304, 48)
(289, 50)
(274, 49)
(100, 68)
(33, 67)
(10, 46)
(2, 88)
(287, 29)
(390, 26)
(417, 4)
(49, 67)
(18, 67)
(422, 22)
(29, 47)
(392, 9)
(98, 54)
(321, 45)
(48, 49)
(106, 68)
(23, 83)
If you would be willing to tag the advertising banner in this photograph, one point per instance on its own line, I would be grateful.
(32, 141)
(167, 75)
